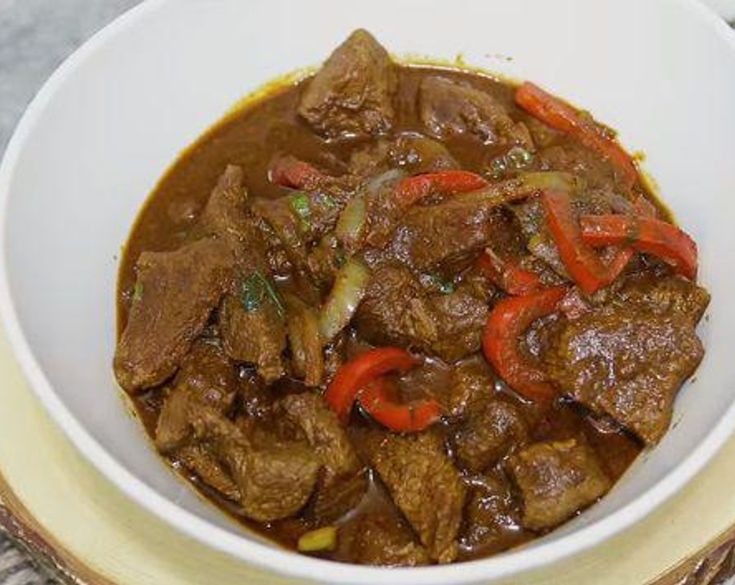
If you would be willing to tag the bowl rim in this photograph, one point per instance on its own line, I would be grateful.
(260, 554)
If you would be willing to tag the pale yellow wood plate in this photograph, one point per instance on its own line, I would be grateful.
(72, 518)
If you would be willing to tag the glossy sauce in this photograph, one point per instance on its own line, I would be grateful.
(251, 138)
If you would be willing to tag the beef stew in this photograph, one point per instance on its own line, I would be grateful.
(402, 315)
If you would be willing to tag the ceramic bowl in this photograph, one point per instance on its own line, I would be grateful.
(95, 140)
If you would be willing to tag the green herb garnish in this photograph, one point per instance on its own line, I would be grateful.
(137, 291)
(301, 206)
(255, 289)
(327, 201)
(445, 286)
(498, 167)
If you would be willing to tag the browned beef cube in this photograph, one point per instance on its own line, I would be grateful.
(411, 152)
(556, 480)
(227, 218)
(448, 235)
(206, 378)
(351, 94)
(670, 296)
(343, 482)
(275, 477)
(256, 336)
(461, 318)
(425, 486)
(275, 482)
(628, 364)
(199, 460)
(396, 310)
(471, 382)
(488, 432)
(492, 516)
(418, 154)
(175, 294)
(449, 108)
(577, 159)
(381, 539)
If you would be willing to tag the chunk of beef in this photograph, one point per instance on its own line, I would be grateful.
(418, 154)
(492, 517)
(449, 108)
(490, 430)
(207, 378)
(461, 317)
(307, 356)
(303, 218)
(343, 481)
(275, 482)
(256, 336)
(669, 296)
(556, 479)
(379, 539)
(225, 217)
(275, 477)
(471, 383)
(574, 158)
(351, 94)
(410, 151)
(396, 310)
(199, 460)
(281, 219)
(449, 235)
(425, 486)
(628, 364)
(176, 294)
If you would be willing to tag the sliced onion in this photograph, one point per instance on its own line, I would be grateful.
(349, 288)
(376, 184)
(351, 224)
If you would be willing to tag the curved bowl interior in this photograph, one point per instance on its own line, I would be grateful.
(101, 133)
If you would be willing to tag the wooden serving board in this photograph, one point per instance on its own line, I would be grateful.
(85, 531)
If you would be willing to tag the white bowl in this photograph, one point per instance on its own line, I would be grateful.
(103, 129)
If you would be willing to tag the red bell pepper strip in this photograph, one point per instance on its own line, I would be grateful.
(508, 276)
(580, 260)
(645, 234)
(561, 116)
(412, 189)
(413, 417)
(288, 171)
(507, 321)
(355, 374)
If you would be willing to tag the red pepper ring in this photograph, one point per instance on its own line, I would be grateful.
(412, 189)
(288, 171)
(507, 275)
(645, 234)
(355, 374)
(560, 115)
(508, 320)
(580, 260)
(376, 399)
